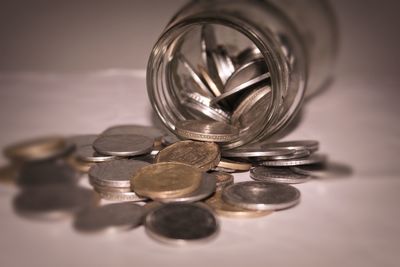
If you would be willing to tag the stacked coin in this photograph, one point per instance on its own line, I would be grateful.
(225, 92)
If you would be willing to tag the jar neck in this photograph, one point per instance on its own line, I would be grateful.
(287, 79)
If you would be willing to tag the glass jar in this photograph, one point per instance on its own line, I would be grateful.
(297, 41)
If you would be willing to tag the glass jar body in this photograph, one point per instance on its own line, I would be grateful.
(297, 40)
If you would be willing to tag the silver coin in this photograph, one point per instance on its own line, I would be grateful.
(223, 63)
(122, 196)
(310, 145)
(325, 170)
(88, 154)
(206, 188)
(117, 216)
(149, 131)
(181, 223)
(53, 202)
(123, 145)
(108, 189)
(209, 131)
(249, 54)
(222, 169)
(255, 151)
(201, 85)
(297, 154)
(115, 173)
(261, 196)
(312, 159)
(199, 103)
(279, 175)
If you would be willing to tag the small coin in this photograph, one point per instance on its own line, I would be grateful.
(310, 145)
(37, 149)
(312, 159)
(223, 179)
(148, 131)
(234, 165)
(206, 188)
(261, 196)
(280, 175)
(117, 216)
(117, 173)
(209, 131)
(181, 223)
(166, 180)
(43, 173)
(224, 209)
(256, 151)
(121, 196)
(123, 145)
(53, 202)
(203, 155)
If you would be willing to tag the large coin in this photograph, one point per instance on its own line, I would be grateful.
(203, 155)
(224, 209)
(118, 216)
(261, 196)
(181, 223)
(117, 173)
(123, 145)
(53, 202)
(37, 149)
(209, 131)
(166, 180)
(280, 175)
(206, 188)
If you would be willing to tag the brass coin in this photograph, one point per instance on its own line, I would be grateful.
(234, 165)
(224, 209)
(208, 131)
(223, 179)
(203, 155)
(36, 149)
(166, 180)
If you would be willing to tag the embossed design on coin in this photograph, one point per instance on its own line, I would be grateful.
(199, 154)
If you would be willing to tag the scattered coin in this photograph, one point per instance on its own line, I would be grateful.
(84, 149)
(118, 216)
(37, 149)
(166, 180)
(256, 151)
(52, 202)
(234, 165)
(203, 155)
(181, 223)
(117, 173)
(149, 131)
(312, 159)
(123, 145)
(223, 179)
(224, 209)
(78, 165)
(121, 196)
(280, 175)
(201, 104)
(310, 145)
(208, 131)
(261, 196)
(206, 188)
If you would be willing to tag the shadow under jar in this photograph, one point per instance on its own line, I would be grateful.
(245, 63)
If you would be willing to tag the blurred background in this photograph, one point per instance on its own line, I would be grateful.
(79, 66)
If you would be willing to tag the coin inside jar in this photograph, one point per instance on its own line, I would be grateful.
(180, 223)
(123, 145)
(203, 155)
(166, 180)
(261, 196)
(208, 131)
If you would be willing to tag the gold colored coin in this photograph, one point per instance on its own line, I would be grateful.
(223, 179)
(166, 180)
(203, 155)
(224, 209)
(35, 149)
(234, 165)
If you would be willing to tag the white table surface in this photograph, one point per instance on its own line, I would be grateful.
(350, 221)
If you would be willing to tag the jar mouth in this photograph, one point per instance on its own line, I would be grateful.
(163, 80)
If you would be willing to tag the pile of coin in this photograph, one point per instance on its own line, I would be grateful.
(173, 187)
(223, 88)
